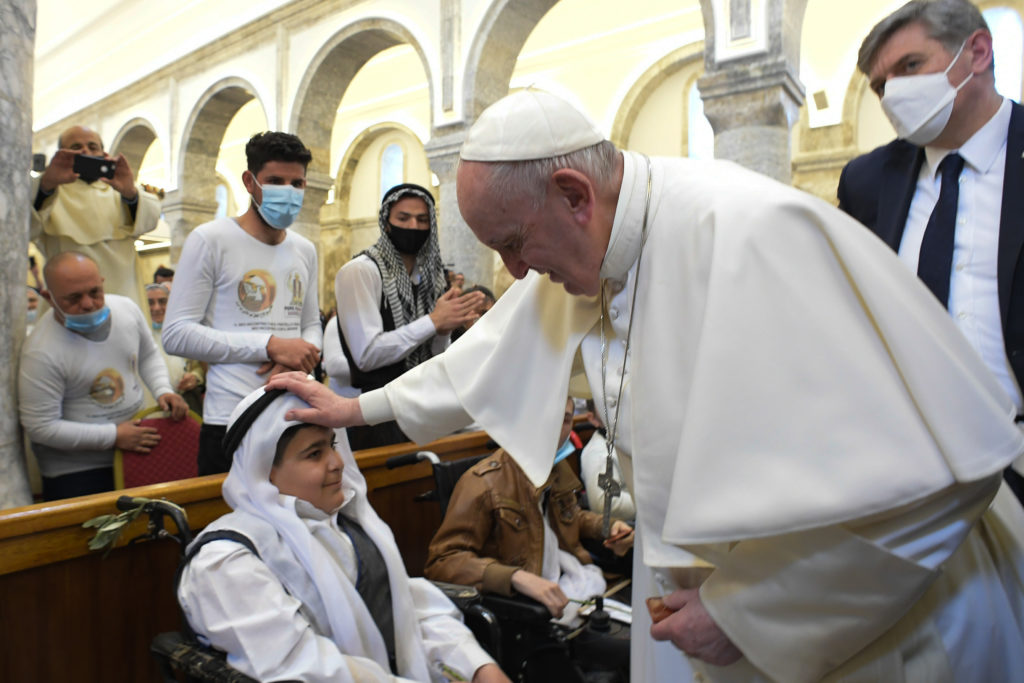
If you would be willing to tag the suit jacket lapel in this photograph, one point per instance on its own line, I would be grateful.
(1011, 218)
(899, 182)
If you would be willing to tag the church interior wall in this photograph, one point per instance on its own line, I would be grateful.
(667, 102)
(618, 63)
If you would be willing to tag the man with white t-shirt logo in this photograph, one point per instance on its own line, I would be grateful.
(246, 300)
(80, 380)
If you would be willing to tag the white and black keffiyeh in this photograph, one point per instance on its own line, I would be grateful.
(406, 302)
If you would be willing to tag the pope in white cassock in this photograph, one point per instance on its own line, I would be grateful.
(817, 468)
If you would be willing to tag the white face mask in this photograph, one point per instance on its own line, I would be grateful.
(919, 106)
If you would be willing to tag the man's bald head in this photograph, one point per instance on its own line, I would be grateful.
(74, 283)
(80, 138)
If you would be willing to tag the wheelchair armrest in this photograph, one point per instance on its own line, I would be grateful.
(516, 608)
(175, 653)
(462, 596)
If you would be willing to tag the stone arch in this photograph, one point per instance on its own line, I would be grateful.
(338, 229)
(133, 140)
(495, 49)
(669, 65)
(355, 152)
(194, 202)
(321, 90)
(330, 73)
(204, 132)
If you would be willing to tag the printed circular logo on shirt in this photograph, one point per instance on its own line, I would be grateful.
(107, 388)
(256, 291)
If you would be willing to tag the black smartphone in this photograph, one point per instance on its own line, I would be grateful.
(90, 168)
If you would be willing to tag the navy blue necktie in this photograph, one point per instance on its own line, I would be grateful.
(936, 258)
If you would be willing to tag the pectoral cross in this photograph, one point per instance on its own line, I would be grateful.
(611, 489)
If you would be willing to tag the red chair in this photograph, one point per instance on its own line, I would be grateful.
(172, 459)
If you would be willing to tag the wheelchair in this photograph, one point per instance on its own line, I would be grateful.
(176, 652)
(517, 632)
(179, 655)
(528, 645)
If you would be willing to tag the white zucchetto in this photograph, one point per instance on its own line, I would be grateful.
(529, 124)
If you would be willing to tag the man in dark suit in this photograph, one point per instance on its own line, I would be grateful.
(948, 195)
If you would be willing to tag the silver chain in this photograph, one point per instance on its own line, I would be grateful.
(606, 481)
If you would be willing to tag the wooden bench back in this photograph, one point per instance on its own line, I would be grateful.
(68, 613)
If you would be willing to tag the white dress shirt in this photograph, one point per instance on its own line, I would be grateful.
(973, 285)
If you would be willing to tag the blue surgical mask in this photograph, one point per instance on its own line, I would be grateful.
(565, 450)
(87, 323)
(281, 204)
(156, 325)
(31, 315)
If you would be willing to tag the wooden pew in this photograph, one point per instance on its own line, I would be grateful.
(68, 613)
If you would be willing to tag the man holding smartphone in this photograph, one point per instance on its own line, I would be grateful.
(88, 201)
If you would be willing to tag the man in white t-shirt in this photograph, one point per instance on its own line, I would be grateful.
(79, 385)
(246, 295)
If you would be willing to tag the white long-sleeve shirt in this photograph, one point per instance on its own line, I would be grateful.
(336, 364)
(73, 392)
(237, 603)
(233, 293)
(973, 285)
(358, 289)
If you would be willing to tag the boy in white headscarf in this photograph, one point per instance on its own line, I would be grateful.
(325, 596)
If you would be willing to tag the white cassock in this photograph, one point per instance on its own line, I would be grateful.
(806, 434)
(92, 219)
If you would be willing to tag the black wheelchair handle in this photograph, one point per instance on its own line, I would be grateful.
(402, 460)
(125, 503)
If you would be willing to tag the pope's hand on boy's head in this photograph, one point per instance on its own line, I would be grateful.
(326, 407)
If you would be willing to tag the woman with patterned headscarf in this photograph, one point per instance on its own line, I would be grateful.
(393, 310)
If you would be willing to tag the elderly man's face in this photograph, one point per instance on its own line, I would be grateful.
(84, 140)
(157, 304)
(549, 240)
(77, 287)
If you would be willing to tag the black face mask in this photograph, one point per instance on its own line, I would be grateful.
(407, 240)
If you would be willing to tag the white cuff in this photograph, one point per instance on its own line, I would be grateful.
(376, 407)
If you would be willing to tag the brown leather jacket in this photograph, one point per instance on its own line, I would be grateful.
(494, 527)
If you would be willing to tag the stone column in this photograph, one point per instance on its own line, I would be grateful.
(459, 245)
(308, 225)
(17, 39)
(752, 104)
(184, 215)
(751, 86)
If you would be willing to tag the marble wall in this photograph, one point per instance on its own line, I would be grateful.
(17, 36)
